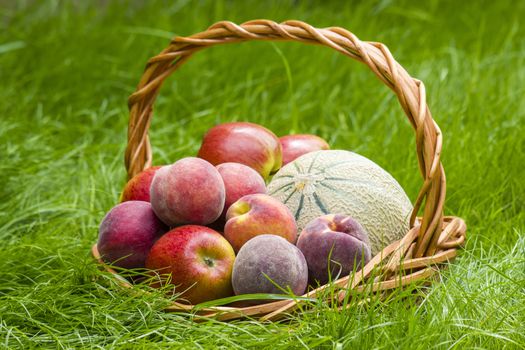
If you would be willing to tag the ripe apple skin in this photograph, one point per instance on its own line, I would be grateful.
(241, 142)
(274, 257)
(258, 214)
(137, 188)
(294, 146)
(239, 180)
(127, 233)
(196, 260)
(190, 191)
(339, 238)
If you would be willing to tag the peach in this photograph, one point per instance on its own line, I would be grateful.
(196, 260)
(190, 191)
(137, 188)
(257, 214)
(246, 143)
(333, 245)
(266, 261)
(127, 233)
(294, 146)
(239, 180)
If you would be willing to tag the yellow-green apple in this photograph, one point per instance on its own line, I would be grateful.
(137, 188)
(196, 260)
(269, 264)
(241, 142)
(333, 245)
(190, 191)
(127, 233)
(257, 214)
(294, 146)
(239, 181)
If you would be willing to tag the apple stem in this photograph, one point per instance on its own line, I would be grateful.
(208, 262)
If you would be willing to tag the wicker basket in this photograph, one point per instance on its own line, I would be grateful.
(432, 240)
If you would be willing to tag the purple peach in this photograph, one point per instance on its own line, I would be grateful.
(267, 263)
(333, 245)
(127, 233)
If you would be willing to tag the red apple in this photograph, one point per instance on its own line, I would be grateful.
(239, 181)
(295, 146)
(258, 214)
(196, 260)
(246, 143)
(190, 191)
(127, 233)
(137, 188)
(333, 245)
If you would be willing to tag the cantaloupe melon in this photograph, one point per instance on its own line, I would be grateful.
(343, 182)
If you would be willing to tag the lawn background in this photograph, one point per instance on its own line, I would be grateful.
(67, 68)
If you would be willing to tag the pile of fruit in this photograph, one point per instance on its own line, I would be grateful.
(209, 227)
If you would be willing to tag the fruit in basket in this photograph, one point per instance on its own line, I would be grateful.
(246, 143)
(127, 233)
(137, 188)
(258, 214)
(268, 264)
(295, 146)
(190, 191)
(342, 182)
(239, 181)
(196, 260)
(333, 246)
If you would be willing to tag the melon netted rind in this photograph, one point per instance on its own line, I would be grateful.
(343, 182)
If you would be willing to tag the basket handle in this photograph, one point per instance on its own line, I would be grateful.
(410, 93)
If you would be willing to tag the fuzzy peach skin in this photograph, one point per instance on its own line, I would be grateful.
(294, 146)
(258, 214)
(196, 260)
(246, 143)
(239, 180)
(190, 191)
(137, 188)
(333, 245)
(127, 233)
(267, 260)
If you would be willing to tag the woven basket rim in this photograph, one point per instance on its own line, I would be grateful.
(432, 239)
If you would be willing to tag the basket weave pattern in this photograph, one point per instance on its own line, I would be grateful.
(433, 239)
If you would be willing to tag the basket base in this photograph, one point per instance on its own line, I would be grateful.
(393, 267)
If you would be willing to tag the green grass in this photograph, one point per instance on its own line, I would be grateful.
(67, 67)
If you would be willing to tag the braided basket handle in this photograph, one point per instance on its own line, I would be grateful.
(410, 93)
